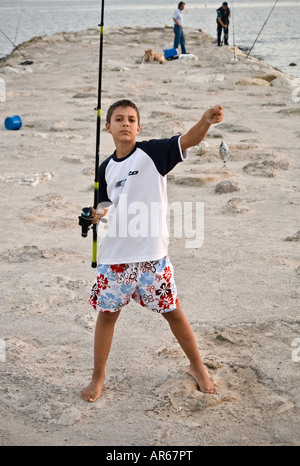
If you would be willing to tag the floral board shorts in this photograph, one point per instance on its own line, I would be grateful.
(151, 284)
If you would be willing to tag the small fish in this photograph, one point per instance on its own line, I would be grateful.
(224, 153)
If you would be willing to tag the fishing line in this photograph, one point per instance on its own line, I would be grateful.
(262, 28)
(17, 29)
(15, 46)
(233, 35)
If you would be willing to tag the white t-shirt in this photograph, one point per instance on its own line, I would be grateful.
(178, 15)
(136, 188)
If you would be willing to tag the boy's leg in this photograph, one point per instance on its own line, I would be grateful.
(103, 338)
(185, 337)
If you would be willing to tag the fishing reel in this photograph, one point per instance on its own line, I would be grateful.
(85, 221)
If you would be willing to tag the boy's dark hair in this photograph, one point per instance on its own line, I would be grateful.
(121, 103)
(180, 3)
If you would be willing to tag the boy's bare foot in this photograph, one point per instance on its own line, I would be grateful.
(92, 392)
(203, 380)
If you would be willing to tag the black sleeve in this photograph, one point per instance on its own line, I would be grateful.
(103, 196)
(165, 153)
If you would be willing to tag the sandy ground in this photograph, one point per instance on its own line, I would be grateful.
(240, 290)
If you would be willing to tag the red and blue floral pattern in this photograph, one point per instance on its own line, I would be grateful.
(151, 284)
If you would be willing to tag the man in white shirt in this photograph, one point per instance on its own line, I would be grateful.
(178, 30)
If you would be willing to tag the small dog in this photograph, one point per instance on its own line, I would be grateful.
(152, 56)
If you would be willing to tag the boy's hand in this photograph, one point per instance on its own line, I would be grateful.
(214, 115)
(98, 213)
(198, 132)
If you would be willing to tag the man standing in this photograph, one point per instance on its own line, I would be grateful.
(178, 31)
(223, 15)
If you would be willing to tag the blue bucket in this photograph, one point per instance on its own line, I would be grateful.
(169, 53)
(13, 122)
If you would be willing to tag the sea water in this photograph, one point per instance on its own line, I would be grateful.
(278, 43)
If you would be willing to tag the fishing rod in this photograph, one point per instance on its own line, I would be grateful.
(97, 158)
(85, 219)
(14, 45)
(262, 28)
(233, 35)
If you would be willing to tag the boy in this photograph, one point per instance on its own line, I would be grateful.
(135, 264)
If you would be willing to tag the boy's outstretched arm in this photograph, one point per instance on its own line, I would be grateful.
(198, 132)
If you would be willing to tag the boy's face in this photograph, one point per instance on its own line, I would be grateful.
(124, 125)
